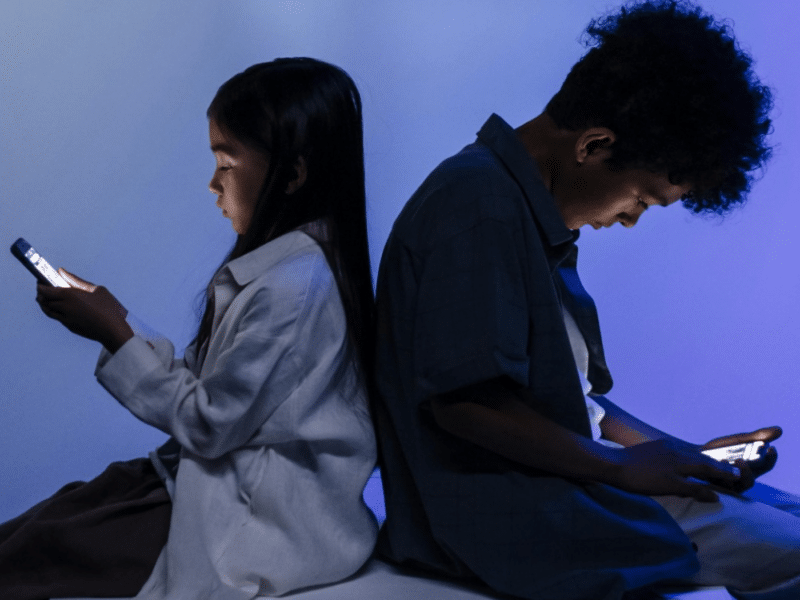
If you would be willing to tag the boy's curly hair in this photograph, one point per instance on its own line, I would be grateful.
(680, 95)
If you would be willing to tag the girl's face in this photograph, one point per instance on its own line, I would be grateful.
(238, 177)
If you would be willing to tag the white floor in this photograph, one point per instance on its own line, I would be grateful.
(705, 594)
(380, 581)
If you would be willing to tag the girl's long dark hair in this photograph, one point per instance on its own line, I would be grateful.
(302, 107)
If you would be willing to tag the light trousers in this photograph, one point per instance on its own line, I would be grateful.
(750, 543)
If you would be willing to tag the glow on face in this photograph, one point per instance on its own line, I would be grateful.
(239, 174)
(620, 197)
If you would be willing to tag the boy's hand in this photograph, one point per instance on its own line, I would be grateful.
(664, 467)
(753, 468)
(86, 309)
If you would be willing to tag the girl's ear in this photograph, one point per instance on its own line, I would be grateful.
(300, 176)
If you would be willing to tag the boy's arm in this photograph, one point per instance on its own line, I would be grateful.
(623, 428)
(491, 415)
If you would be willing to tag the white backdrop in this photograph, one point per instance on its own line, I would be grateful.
(105, 166)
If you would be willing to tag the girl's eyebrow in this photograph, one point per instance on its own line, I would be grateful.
(223, 147)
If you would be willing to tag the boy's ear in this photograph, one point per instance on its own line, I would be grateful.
(301, 173)
(594, 144)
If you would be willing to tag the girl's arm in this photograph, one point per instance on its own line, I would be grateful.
(281, 338)
(208, 417)
(95, 314)
(92, 312)
(220, 412)
(162, 346)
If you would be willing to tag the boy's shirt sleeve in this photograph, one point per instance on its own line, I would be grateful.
(471, 322)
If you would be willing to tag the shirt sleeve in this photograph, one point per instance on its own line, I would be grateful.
(472, 319)
(157, 342)
(220, 412)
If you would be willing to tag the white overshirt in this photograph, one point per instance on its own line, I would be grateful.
(275, 437)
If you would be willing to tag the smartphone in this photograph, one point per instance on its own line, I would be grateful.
(37, 265)
(748, 451)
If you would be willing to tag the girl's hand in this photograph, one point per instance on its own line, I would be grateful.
(79, 283)
(86, 309)
(754, 468)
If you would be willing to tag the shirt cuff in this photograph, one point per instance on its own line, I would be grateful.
(120, 373)
(141, 328)
(161, 345)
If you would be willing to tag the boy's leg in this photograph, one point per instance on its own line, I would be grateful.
(748, 546)
(99, 538)
(766, 494)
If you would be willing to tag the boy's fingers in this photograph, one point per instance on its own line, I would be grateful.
(703, 493)
(768, 434)
(715, 470)
(698, 491)
(765, 434)
(765, 463)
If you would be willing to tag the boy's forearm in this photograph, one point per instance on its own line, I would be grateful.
(492, 416)
(623, 428)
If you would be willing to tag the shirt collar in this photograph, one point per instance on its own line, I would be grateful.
(503, 141)
(255, 263)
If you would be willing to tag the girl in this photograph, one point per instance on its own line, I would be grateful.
(258, 490)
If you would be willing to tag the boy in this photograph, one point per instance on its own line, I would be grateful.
(504, 463)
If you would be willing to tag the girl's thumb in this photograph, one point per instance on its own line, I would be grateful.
(76, 281)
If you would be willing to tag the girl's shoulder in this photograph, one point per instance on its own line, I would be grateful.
(289, 258)
(291, 266)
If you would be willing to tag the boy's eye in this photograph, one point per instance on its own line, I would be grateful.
(642, 203)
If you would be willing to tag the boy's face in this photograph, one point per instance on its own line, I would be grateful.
(600, 197)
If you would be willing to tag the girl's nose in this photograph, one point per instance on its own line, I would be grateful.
(213, 185)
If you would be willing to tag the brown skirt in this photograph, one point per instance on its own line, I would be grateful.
(94, 539)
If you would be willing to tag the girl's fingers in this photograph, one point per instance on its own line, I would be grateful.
(48, 310)
(76, 281)
(47, 292)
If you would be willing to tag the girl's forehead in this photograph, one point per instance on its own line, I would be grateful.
(221, 140)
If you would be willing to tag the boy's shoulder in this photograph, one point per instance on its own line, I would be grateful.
(462, 191)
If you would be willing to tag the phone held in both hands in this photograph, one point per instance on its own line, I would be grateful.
(748, 451)
(37, 265)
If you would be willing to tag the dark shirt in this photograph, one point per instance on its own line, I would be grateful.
(470, 289)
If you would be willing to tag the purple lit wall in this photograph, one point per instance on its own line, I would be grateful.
(105, 165)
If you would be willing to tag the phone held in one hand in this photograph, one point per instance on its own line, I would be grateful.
(37, 265)
(748, 451)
